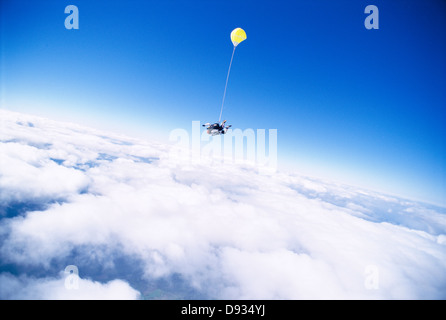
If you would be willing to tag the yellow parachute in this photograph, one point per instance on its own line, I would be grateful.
(238, 35)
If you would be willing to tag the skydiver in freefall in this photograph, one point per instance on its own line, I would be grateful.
(216, 128)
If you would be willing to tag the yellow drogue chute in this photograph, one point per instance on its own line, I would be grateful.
(237, 35)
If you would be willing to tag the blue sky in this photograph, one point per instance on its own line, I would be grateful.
(362, 106)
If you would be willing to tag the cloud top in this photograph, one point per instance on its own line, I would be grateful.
(140, 222)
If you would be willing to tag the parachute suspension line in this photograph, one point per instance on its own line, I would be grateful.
(226, 85)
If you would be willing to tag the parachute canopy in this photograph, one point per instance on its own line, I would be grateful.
(237, 36)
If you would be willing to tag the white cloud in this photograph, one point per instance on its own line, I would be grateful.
(229, 231)
(27, 173)
(27, 288)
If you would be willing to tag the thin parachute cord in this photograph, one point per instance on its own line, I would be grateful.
(226, 85)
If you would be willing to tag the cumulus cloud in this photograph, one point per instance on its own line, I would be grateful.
(29, 174)
(28, 288)
(122, 208)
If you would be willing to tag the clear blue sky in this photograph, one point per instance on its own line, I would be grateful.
(364, 106)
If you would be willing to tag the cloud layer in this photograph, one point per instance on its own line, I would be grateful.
(140, 222)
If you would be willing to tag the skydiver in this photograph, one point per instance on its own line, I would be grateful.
(216, 128)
